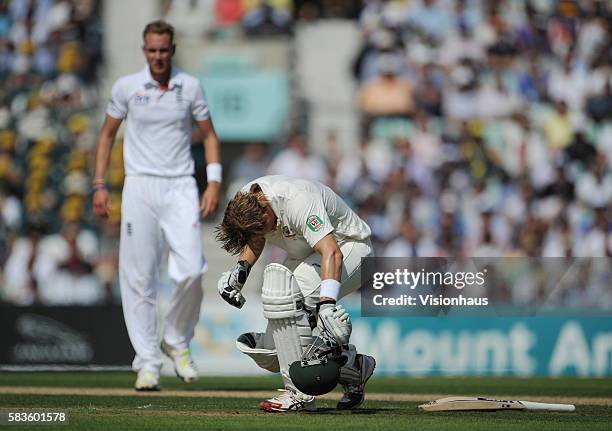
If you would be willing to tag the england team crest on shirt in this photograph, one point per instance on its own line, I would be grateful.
(141, 99)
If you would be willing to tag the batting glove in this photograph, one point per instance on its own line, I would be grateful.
(335, 320)
(231, 282)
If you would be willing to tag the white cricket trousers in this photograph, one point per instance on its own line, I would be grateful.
(159, 214)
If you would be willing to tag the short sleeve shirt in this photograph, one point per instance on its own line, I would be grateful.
(158, 122)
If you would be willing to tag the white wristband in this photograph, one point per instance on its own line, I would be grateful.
(330, 288)
(213, 172)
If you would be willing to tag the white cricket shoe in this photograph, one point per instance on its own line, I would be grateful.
(354, 393)
(184, 367)
(147, 381)
(289, 401)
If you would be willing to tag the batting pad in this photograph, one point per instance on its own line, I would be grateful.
(280, 294)
(252, 344)
(283, 306)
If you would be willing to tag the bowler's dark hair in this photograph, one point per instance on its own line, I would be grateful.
(244, 217)
(159, 27)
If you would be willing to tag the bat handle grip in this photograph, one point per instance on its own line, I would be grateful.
(530, 405)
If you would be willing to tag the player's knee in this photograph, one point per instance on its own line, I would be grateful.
(307, 277)
(280, 294)
(184, 273)
(140, 284)
(188, 280)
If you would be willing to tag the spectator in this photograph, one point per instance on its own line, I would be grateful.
(20, 283)
(568, 83)
(533, 82)
(495, 101)
(596, 241)
(463, 46)
(408, 243)
(297, 161)
(64, 268)
(267, 17)
(428, 95)
(558, 127)
(594, 186)
(599, 106)
(388, 95)
(426, 144)
(429, 17)
(251, 164)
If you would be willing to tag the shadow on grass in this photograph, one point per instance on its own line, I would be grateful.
(332, 411)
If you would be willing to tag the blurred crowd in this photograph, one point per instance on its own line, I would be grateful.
(488, 126)
(50, 53)
(222, 18)
(486, 130)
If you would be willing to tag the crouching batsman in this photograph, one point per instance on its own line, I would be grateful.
(307, 337)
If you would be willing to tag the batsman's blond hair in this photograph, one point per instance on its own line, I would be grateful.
(243, 218)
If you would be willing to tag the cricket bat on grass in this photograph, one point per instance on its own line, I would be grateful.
(483, 403)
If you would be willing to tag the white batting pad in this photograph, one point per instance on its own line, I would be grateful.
(280, 293)
(252, 344)
(283, 306)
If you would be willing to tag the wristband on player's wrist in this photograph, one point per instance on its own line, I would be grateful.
(330, 288)
(214, 172)
(98, 187)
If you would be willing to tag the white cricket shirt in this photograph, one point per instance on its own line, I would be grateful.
(158, 122)
(306, 212)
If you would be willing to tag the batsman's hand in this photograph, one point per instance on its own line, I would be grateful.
(101, 203)
(336, 321)
(231, 283)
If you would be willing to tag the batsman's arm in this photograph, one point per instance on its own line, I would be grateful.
(231, 282)
(331, 318)
(331, 266)
(212, 151)
(106, 139)
(253, 250)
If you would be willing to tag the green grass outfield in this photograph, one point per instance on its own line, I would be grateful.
(105, 401)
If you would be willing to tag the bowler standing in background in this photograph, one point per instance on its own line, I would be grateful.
(160, 208)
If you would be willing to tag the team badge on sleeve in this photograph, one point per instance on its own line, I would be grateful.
(314, 223)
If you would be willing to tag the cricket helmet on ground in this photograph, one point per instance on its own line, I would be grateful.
(318, 371)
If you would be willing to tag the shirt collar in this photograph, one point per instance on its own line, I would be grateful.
(175, 80)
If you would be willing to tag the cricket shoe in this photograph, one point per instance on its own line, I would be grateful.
(147, 381)
(354, 386)
(289, 401)
(184, 367)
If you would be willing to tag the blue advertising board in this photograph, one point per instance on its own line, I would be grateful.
(509, 346)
